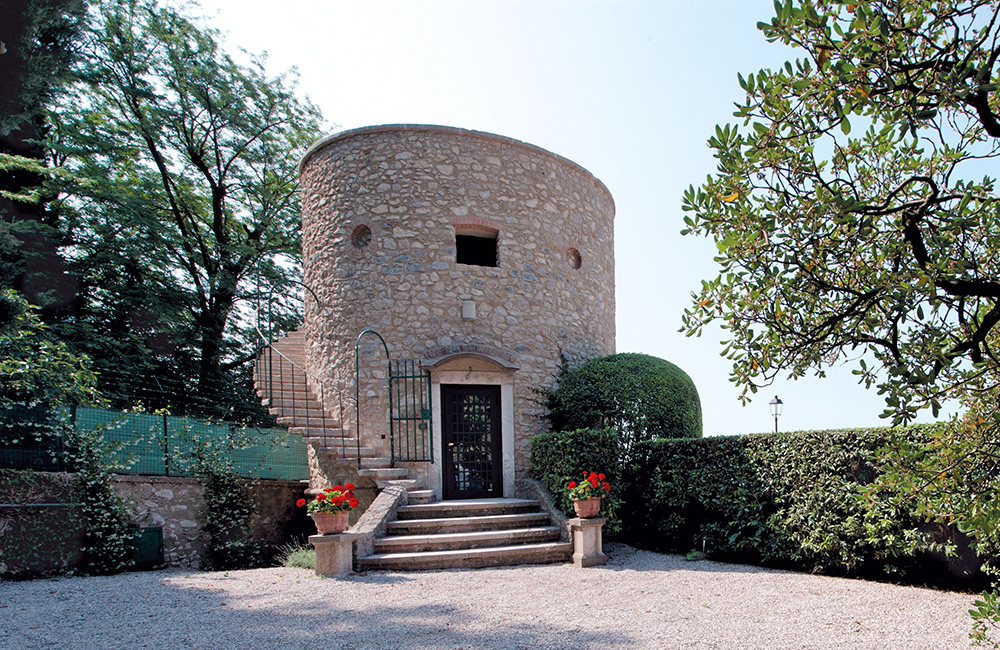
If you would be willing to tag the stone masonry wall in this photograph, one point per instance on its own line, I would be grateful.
(381, 207)
(178, 505)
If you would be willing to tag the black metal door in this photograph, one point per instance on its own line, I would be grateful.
(471, 434)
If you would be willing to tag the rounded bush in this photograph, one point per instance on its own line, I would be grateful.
(640, 396)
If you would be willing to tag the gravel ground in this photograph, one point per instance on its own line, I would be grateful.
(639, 600)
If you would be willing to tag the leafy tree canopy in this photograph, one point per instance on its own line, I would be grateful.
(184, 186)
(857, 220)
(35, 367)
(853, 206)
(638, 395)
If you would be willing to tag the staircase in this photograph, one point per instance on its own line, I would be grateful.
(282, 384)
(468, 534)
(426, 535)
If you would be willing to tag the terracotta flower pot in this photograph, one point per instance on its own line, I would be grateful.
(586, 508)
(330, 523)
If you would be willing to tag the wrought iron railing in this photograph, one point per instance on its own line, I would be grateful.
(277, 376)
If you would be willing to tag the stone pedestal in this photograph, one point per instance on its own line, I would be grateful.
(334, 553)
(587, 546)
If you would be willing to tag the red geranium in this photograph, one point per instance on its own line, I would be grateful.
(339, 498)
(590, 488)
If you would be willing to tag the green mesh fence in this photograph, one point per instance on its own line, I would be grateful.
(165, 445)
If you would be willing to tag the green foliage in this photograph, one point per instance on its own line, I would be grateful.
(856, 217)
(877, 242)
(791, 499)
(297, 556)
(562, 456)
(230, 507)
(35, 367)
(173, 181)
(638, 395)
(39, 541)
(109, 538)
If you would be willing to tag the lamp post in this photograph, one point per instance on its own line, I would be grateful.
(775, 411)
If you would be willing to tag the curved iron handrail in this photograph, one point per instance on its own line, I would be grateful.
(284, 362)
(357, 392)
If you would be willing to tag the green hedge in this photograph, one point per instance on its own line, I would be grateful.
(560, 457)
(791, 500)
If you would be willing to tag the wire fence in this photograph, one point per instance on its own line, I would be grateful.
(154, 444)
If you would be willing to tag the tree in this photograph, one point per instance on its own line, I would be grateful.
(878, 242)
(856, 220)
(36, 368)
(639, 396)
(186, 184)
(38, 46)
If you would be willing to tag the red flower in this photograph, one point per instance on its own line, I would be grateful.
(338, 488)
(300, 502)
(606, 486)
(585, 473)
(601, 477)
(572, 484)
(350, 487)
(354, 503)
(320, 497)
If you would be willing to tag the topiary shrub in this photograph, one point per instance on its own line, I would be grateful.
(640, 396)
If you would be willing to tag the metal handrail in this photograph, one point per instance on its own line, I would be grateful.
(357, 392)
(266, 348)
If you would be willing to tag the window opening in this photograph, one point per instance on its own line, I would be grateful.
(476, 248)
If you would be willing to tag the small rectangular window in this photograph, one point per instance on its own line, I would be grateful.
(478, 250)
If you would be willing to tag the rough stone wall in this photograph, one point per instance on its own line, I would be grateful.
(411, 187)
(178, 505)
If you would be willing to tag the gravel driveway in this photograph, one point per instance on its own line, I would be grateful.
(639, 600)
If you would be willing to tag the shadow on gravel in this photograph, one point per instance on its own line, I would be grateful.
(138, 611)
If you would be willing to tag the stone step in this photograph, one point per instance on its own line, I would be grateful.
(420, 496)
(300, 421)
(542, 553)
(409, 483)
(385, 473)
(298, 409)
(351, 453)
(477, 539)
(376, 462)
(317, 434)
(465, 524)
(467, 508)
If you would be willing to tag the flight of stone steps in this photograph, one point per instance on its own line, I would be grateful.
(468, 534)
(282, 384)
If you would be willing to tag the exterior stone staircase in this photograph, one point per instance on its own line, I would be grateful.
(284, 388)
(425, 535)
(468, 534)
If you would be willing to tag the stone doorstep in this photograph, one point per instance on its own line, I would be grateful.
(467, 524)
(467, 507)
(542, 553)
(475, 539)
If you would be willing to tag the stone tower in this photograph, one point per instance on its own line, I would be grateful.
(487, 262)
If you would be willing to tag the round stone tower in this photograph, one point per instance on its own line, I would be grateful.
(486, 262)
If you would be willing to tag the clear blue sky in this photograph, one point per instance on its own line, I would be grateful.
(629, 90)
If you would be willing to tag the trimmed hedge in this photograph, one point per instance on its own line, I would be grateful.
(560, 457)
(792, 500)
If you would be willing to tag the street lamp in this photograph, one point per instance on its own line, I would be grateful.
(775, 411)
